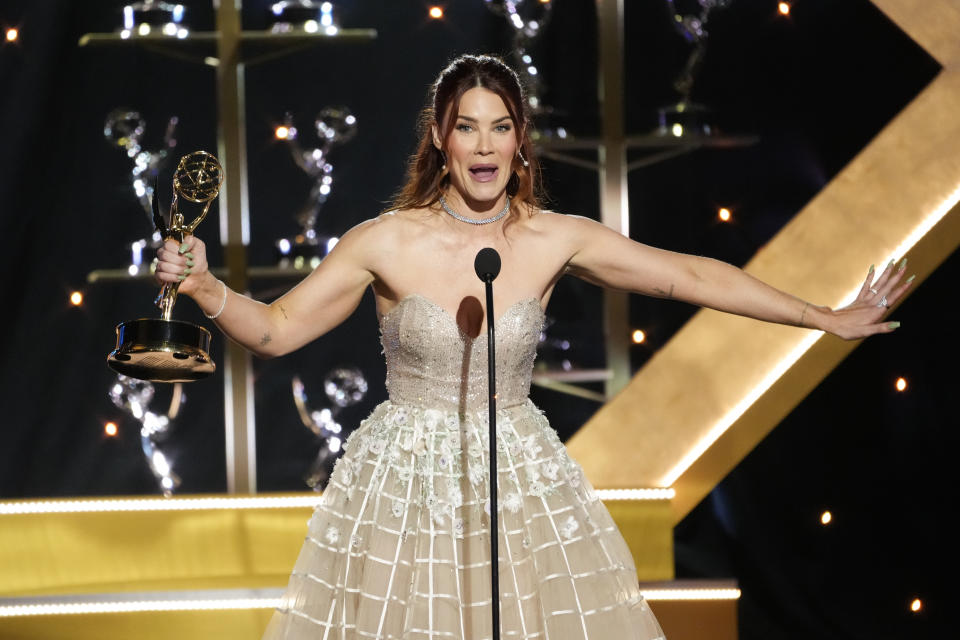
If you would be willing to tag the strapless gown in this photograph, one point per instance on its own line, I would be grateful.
(399, 546)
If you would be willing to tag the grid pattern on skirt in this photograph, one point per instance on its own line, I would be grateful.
(399, 546)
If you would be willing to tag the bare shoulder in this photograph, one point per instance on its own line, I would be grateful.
(402, 222)
(552, 220)
(561, 225)
(384, 240)
(385, 229)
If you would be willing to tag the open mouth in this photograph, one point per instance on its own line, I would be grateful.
(483, 172)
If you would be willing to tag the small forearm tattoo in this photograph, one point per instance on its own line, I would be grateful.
(803, 314)
(284, 312)
(665, 293)
(265, 339)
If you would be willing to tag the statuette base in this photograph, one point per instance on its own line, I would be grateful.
(162, 351)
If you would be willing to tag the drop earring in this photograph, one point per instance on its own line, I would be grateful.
(522, 159)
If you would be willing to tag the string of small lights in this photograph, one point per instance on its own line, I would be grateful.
(233, 599)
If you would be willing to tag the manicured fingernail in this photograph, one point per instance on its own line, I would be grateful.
(890, 264)
(910, 279)
(189, 262)
(181, 278)
(189, 255)
(186, 271)
(903, 264)
(183, 247)
(893, 325)
(872, 268)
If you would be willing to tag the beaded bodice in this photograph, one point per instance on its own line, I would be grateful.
(432, 363)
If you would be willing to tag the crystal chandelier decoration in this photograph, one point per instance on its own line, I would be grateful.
(334, 126)
(134, 397)
(344, 387)
(686, 117)
(124, 128)
(153, 18)
(306, 16)
(528, 18)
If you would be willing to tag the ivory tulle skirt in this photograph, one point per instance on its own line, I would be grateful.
(399, 547)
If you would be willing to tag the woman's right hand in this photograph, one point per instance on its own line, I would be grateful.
(185, 263)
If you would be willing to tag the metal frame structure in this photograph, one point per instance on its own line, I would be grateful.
(234, 48)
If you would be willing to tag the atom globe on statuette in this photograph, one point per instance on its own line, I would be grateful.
(163, 349)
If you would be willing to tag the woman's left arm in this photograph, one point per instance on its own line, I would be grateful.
(605, 257)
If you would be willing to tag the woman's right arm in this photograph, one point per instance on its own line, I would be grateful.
(324, 299)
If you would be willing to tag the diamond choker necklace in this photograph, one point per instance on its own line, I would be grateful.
(446, 207)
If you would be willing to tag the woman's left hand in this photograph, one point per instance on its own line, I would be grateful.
(865, 316)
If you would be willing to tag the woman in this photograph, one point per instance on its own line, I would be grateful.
(399, 546)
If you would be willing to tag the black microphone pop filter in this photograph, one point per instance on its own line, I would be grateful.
(487, 264)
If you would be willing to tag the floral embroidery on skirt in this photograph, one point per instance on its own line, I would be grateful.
(399, 547)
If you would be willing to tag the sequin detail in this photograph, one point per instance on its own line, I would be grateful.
(426, 350)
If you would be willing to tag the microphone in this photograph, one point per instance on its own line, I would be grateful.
(487, 264)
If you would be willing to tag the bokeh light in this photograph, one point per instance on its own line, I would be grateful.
(110, 429)
(724, 214)
(784, 8)
(917, 605)
(901, 384)
(826, 517)
(76, 298)
(639, 336)
(435, 12)
(12, 34)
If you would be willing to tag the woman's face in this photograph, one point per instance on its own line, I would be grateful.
(481, 149)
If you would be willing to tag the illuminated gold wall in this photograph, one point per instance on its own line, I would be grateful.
(722, 383)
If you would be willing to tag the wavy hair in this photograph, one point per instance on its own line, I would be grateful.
(426, 178)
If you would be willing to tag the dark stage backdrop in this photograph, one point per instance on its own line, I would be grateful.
(815, 88)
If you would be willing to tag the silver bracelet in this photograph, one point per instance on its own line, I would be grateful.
(223, 303)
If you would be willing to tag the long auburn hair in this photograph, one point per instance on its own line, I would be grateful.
(426, 178)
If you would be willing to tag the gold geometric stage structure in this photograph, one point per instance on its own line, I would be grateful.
(715, 390)
(209, 567)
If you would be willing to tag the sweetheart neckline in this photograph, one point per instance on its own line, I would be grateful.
(452, 319)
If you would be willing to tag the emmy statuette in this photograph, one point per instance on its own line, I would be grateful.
(163, 349)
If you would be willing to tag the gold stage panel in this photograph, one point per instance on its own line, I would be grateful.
(722, 383)
(153, 549)
(246, 624)
(692, 619)
(210, 542)
(687, 610)
(147, 550)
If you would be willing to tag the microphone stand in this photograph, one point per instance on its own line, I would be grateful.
(492, 406)
(487, 266)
